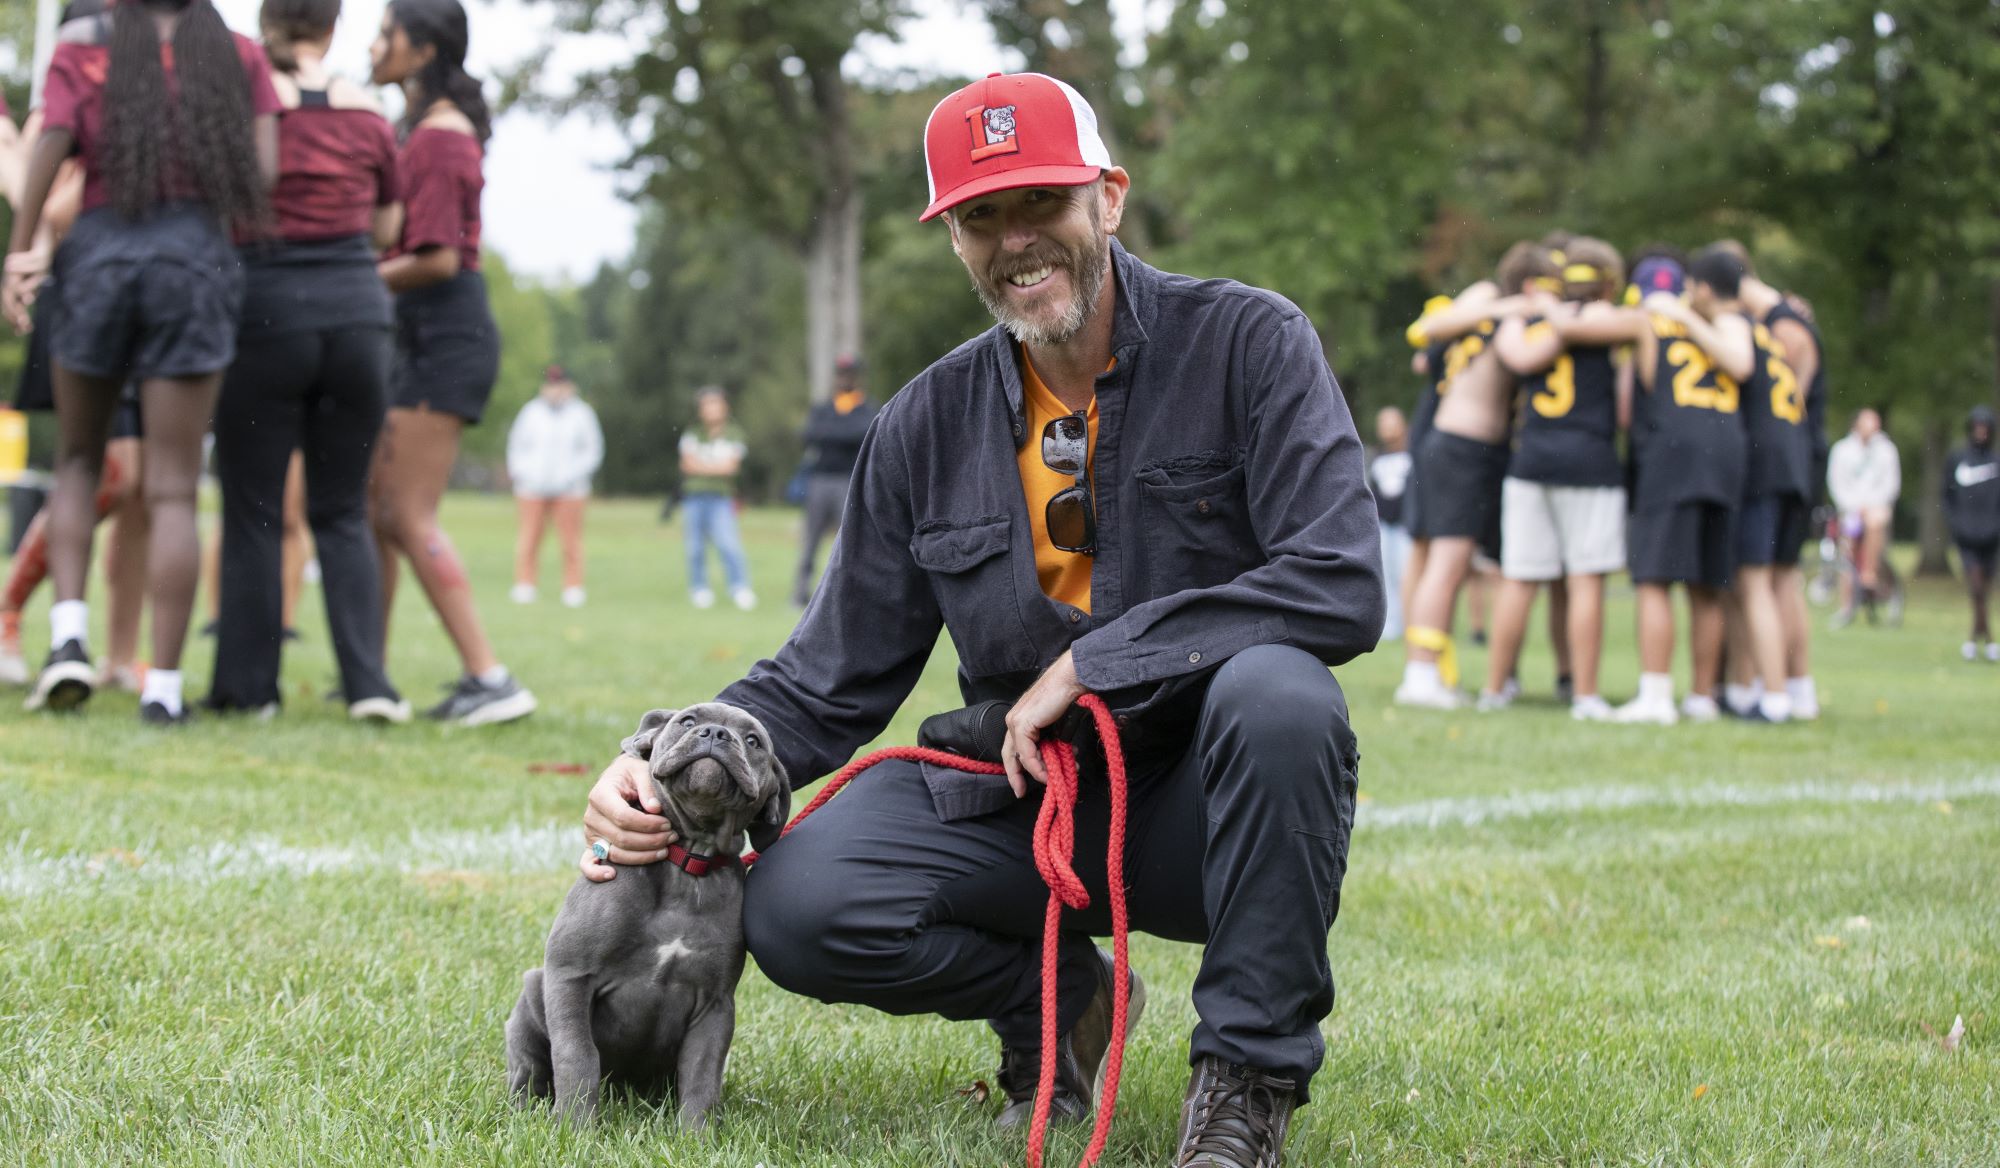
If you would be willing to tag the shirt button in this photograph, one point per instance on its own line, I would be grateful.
(1075, 616)
(1194, 659)
(1202, 506)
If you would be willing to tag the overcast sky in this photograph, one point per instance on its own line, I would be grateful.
(552, 206)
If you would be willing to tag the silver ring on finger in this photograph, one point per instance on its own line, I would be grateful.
(601, 850)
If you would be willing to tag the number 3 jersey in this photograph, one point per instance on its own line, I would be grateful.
(1688, 440)
(1774, 417)
(1569, 419)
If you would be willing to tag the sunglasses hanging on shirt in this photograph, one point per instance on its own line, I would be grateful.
(1071, 516)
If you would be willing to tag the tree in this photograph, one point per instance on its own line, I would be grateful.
(743, 108)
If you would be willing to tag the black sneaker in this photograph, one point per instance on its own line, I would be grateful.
(156, 714)
(474, 703)
(1565, 689)
(1080, 1059)
(66, 681)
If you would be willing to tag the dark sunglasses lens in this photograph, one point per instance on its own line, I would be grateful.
(1065, 443)
(1072, 528)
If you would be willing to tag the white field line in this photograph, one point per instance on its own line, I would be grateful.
(519, 849)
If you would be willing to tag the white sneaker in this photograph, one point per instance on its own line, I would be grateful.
(382, 711)
(1638, 711)
(522, 594)
(703, 597)
(1969, 651)
(1490, 702)
(1700, 708)
(14, 667)
(744, 598)
(572, 597)
(1433, 696)
(1591, 709)
(1993, 651)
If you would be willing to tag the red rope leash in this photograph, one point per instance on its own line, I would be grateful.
(1055, 847)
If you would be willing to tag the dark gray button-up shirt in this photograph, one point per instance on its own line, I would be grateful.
(1232, 510)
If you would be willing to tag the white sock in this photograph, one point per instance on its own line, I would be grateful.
(163, 686)
(1656, 688)
(69, 620)
(1422, 673)
(497, 675)
(1741, 697)
(1776, 706)
(1804, 695)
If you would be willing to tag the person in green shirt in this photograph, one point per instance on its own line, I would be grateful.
(712, 453)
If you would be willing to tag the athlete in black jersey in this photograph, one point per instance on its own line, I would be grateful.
(1773, 513)
(1563, 503)
(1798, 339)
(1688, 449)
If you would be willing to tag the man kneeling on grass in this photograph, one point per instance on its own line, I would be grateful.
(1138, 484)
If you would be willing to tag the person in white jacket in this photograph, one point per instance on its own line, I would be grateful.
(1864, 475)
(554, 448)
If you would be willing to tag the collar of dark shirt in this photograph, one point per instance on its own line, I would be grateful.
(1135, 282)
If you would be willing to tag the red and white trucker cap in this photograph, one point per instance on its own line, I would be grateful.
(1007, 131)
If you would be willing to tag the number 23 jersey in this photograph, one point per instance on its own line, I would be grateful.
(1688, 439)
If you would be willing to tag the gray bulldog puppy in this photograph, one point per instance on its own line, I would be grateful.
(638, 983)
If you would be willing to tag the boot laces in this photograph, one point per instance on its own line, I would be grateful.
(1235, 1116)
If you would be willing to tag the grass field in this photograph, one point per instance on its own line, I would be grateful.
(294, 943)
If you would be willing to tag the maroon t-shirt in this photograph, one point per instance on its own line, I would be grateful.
(73, 100)
(335, 167)
(440, 171)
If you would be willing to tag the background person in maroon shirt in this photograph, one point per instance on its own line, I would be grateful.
(447, 347)
(312, 373)
(147, 286)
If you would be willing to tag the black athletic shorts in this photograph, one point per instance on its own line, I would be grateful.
(1983, 555)
(152, 297)
(1770, 530)
(36, 390)
(1683, 543)
(447, 349)
(1461, 482)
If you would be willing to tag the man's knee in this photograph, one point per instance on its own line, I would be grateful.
(1277, 691)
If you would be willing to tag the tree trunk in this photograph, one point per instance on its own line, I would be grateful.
(833, 289)
(1932, 537)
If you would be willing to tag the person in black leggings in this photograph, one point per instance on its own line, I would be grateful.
(311, 372)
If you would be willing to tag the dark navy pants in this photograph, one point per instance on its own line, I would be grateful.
(1239, 845)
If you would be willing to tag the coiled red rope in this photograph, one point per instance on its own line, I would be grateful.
(1055, 849)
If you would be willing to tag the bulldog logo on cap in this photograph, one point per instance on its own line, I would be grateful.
(992, 131)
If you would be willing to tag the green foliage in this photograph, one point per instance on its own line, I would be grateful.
(526, 348)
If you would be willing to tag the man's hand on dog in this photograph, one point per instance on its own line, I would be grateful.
(633, 836)
(1045, 703)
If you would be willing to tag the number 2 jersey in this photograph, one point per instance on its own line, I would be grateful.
(1779, 457)
(1688, 439)
(1569, 420)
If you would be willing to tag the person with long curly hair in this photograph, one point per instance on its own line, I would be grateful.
(174, 119)
(447, 346)
(311, 373)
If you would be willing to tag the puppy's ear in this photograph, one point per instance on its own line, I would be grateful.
(640, 744)
(776, 810)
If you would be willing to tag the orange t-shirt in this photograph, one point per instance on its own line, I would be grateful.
(1065, 576)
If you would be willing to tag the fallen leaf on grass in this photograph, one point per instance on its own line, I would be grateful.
(977, 1093)
(721, 652)
(1881, 706)
(1700, 1089)
(555, 768)
(1943, 806)
(102, 860)
(1856, 924)
(1454, 734)
(1953, 1037)
(1829, 942)
(1413, 1096)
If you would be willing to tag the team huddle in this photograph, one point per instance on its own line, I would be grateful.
(1718, 379)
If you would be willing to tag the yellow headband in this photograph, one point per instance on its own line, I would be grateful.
(1582, 274)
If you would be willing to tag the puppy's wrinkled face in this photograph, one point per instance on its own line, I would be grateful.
(714, 762)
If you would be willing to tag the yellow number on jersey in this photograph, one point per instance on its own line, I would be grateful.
(1458, 356)
(1559, 394)
(1692, 365)
(1786, 403)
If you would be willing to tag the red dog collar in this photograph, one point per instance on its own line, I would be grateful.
(694, 863)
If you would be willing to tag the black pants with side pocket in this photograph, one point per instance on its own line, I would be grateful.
(1240, 845)
(324, 392)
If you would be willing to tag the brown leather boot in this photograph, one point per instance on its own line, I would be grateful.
(1234, 1117)
(1080, 1058)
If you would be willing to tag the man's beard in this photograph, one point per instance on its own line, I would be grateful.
(1087, 267)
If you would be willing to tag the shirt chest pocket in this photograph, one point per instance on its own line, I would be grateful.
(1196, 526)
(972, 577)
